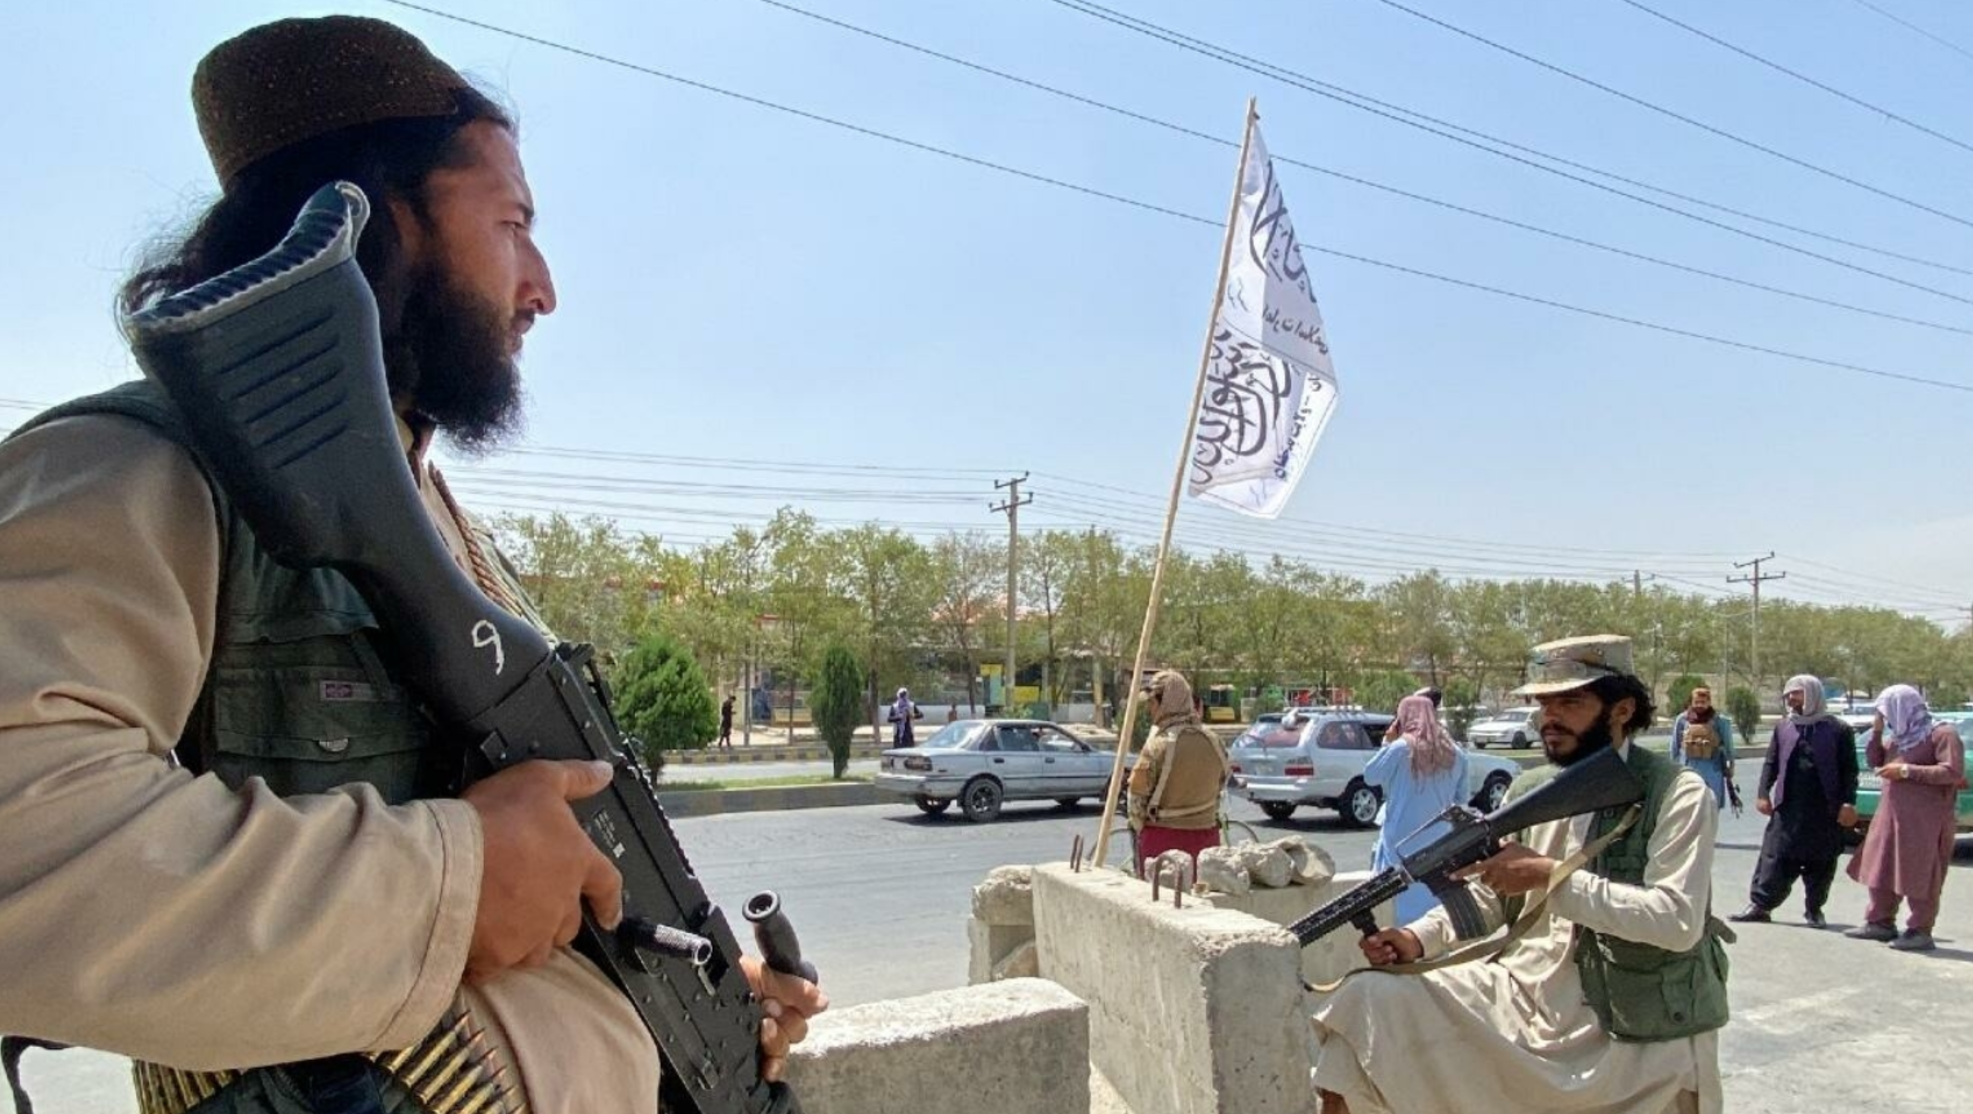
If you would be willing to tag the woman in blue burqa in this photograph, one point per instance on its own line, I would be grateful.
(1422, 773)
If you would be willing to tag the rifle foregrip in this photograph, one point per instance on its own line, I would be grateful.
(774, 935)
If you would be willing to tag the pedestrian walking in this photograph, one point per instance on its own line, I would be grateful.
(903, 711)
(1702, 741)
(1422, 773)
(1808, 792)
(726, 722)
(1910, 840)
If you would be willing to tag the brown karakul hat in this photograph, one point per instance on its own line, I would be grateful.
(295, 79)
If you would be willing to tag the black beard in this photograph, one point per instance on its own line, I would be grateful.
(1596, 737)
(449, 357)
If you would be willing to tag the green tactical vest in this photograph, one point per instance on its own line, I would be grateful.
(296, 693)
(1641, 992)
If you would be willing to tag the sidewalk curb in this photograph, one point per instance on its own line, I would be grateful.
(714, 802)
(767, 752)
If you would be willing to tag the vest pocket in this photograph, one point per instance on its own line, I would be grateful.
(310, 728)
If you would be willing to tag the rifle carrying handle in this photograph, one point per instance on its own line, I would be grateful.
(775, 936)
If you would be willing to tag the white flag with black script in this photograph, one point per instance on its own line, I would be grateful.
(1270, 386)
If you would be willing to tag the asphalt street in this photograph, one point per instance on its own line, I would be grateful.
(880, 895)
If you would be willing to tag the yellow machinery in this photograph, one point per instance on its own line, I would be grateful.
(1222, 704)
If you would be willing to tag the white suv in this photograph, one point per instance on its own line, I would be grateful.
(1318, 759)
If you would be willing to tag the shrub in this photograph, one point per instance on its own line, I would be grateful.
(1460, 697)
(1744, 709)
(1679, 696)
(663, 698)
(836, 704)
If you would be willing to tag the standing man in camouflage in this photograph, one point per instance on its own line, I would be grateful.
(1176, 784)
(225, 844)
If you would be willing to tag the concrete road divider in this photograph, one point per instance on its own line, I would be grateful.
(1015, 1047)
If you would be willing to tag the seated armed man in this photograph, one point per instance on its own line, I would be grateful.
(1611, 1000)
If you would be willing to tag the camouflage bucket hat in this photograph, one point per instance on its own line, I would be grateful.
(1573, 663)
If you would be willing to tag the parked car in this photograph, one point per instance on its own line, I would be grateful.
(1514, 727)
(982, 763)
(1870, 787)
(1319, 759)
(1263, 723)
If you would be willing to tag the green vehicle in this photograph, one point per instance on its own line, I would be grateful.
(1870, 788)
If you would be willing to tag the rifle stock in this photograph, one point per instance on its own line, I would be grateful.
(277, 370)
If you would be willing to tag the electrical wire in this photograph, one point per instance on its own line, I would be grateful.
(1367, 183)
(1673, 114)
(1194, 218)
(1797, 75)
(1910, 26)
(1480, 141)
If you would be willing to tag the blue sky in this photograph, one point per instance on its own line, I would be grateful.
(740, 284)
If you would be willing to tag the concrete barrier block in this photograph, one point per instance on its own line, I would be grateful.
(1005, 896)
(988, 947)
(1325, 960)
(1020, 1046)
(1192, 1010)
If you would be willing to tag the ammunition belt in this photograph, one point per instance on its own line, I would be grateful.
(452, 1071)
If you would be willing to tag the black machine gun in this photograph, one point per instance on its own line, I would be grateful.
(1461, 836)
(277, 369)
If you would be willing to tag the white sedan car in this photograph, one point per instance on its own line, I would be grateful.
(981, 763)
(1318, 760)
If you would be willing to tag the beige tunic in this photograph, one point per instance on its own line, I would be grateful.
(148, 912)
(1514, 1034)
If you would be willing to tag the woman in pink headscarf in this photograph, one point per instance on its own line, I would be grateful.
(1422, 773)
(1909, 843)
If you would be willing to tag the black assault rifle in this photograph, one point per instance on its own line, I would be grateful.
(277, 369)
(1461, 836)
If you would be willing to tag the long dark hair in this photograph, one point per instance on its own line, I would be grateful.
(1612, 689)
(388, 159)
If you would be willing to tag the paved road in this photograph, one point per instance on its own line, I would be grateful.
(880, 895)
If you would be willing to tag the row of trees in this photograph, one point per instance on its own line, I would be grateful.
(914, 612)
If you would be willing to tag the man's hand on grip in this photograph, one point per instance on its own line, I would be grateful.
(786, 1003)
(1391, 945)
(537, 865)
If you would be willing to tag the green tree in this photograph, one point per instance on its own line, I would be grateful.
(1461, 705)
(591, 580)
(1380, 691)
(1744, 709)
(887, 574)
(1679, 695)
(836, 702)
(964, 570)
(663, 699)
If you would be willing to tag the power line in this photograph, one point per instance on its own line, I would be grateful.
(1207, 221)
(1690, 121)
(1480, 141)
(1910, 26)
(1797, 75)
(1367, 183)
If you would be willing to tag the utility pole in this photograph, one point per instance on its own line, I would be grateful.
(1755, 579)
(1015, 501)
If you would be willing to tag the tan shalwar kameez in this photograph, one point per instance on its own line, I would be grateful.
(1514, 1033)
(166, 917)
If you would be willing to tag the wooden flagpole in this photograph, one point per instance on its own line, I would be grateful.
(1132, 701)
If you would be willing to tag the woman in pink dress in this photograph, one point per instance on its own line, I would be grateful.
(1910, 840)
